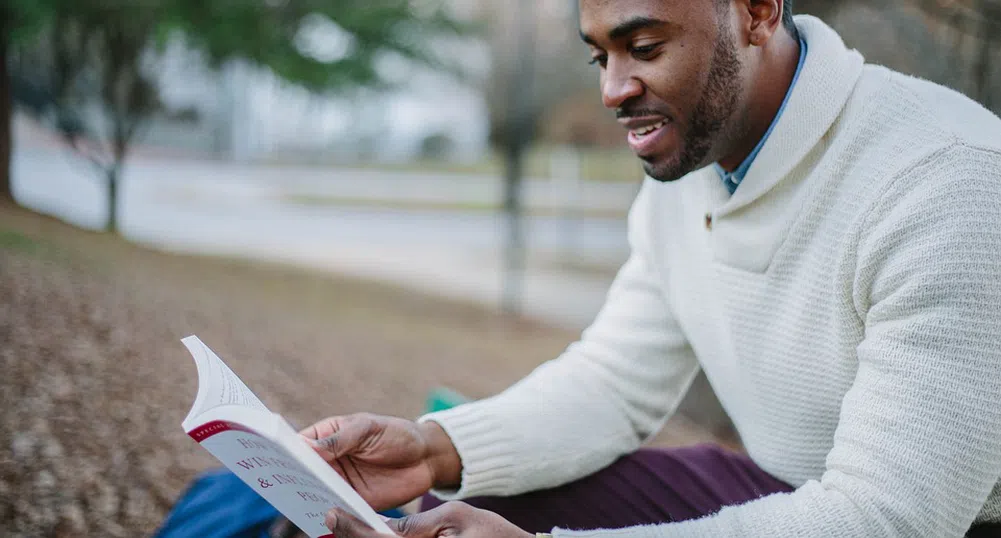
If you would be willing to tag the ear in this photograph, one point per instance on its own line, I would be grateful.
(762, 19)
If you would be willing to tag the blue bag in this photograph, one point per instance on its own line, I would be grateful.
(218, 505)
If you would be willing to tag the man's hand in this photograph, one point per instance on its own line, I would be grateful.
(451, 520)
(388, 461)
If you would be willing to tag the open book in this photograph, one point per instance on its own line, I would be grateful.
(261, 448)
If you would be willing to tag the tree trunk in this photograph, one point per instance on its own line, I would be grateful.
(984, 64)
(112, 223)
(514, 253)
(120, 149)
(521, 115)
(6, 180)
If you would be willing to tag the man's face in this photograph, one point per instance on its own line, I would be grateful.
(670, 70)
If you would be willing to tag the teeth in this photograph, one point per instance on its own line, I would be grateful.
(643, 131)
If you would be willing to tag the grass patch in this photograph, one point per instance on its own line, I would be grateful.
(14, 241)
(319, 200)
(314, 200)
(618, 165)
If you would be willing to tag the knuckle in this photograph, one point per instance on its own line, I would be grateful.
(452, 510)
(364, 423)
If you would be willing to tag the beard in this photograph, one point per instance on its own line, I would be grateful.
(710, 116)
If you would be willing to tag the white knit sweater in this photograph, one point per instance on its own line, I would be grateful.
(845, 305)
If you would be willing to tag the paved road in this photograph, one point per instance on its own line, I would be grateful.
(208, 207)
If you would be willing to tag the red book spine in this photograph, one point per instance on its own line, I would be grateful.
(209, 429)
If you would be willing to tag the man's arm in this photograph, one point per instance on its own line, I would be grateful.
(599, 400)
(918, 445)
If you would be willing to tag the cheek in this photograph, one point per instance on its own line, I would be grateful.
(676, 78)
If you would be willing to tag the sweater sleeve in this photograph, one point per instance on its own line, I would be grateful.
(599, 400)
(918, 444)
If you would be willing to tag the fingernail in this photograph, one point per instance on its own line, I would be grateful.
(327, 443)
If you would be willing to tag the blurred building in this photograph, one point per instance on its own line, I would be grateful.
(247, 113)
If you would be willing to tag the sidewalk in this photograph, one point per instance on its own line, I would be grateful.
(560, 297)
(187, 176)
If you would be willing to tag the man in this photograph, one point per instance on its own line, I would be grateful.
(821, 237)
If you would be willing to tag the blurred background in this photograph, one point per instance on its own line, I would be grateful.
(353, 202)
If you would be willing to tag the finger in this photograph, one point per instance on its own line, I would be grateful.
(422, 525)
(322, 428)
(338, 437)
(344, 525)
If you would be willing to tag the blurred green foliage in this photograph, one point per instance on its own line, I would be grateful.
(263, 32)
(75, 53)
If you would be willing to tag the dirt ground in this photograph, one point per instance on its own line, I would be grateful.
(94, 382)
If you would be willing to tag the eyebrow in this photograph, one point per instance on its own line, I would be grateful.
(626, 28)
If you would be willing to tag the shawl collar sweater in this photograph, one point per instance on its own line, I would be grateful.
(845, 304)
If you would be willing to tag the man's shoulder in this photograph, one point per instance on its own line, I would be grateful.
(925, 114)
(939, 151)
(900, 134)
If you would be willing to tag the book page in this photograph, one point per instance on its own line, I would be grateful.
(217, 384)
(279, 477)
(264, 451)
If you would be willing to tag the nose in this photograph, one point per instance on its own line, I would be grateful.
(618, 85)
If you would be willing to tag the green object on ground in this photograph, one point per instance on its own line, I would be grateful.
(15, 241)
(442, 398)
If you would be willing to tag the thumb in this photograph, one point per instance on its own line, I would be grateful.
(348, 434)
(421, 525)
(344, 525)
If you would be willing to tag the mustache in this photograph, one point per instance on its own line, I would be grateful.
(635, 111)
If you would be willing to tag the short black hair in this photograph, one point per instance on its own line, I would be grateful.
(787, 18)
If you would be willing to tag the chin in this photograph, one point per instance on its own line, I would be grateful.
(664, 169)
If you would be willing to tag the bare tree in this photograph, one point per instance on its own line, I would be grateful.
(529, 76)
(514, 136)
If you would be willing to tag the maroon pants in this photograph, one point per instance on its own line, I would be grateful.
(647, 487)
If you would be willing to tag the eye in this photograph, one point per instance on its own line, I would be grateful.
(645, 52)
(601, 60)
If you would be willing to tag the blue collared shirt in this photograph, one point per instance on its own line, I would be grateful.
(732, 179)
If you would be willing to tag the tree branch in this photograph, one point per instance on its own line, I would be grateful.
(76, 143)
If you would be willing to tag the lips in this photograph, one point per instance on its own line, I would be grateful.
(645, 133)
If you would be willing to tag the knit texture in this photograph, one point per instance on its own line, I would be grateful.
(845, 305)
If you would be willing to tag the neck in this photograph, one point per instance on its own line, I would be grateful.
(777, 67)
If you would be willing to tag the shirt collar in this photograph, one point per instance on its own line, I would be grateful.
(732, 179)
